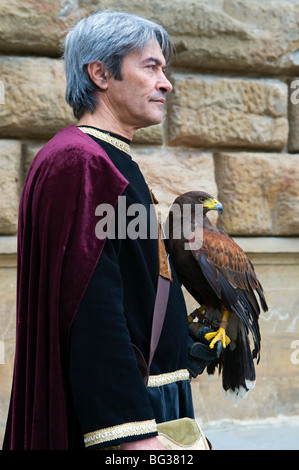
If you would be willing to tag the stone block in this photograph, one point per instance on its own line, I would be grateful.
(35, 27)
(259, 192)
(7, 329)
(10, 184)
(152, 135)
(34, 103)
(30, 149)
(205, 110)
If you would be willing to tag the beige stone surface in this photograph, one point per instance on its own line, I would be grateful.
(206, 110)
(34, 97)
(10, 184)
(32, 26)
(259, 192)
(30, 149)
(293, 145)
(7, 335)
(149, 135)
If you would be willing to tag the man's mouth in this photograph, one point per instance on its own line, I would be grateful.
(160, 100)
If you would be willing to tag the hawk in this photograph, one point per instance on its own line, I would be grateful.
(221, 278)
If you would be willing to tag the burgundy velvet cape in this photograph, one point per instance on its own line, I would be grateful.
(57, 254)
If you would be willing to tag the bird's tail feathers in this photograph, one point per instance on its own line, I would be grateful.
(238, 371)
(250, 321)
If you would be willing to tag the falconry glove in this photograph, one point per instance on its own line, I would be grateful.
(200, 354)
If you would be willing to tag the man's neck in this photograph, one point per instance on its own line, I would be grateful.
(107, 123)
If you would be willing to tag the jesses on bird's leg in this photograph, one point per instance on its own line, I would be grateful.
(197, 313)
(220, 335)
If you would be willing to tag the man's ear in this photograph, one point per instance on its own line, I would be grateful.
(98, 74)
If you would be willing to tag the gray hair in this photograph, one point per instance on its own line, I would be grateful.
(106, 36)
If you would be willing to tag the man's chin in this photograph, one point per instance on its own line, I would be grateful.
(152, 122)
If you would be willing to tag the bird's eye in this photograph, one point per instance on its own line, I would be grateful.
(201, 199)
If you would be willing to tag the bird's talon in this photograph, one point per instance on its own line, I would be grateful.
(218, 336)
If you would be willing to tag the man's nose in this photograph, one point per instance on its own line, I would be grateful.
(164, 84)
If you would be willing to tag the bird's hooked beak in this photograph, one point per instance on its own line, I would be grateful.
(213, 204)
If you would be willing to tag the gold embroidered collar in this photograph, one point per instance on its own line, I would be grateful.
(106, 138)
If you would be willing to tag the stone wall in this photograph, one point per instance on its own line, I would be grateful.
(231, 128)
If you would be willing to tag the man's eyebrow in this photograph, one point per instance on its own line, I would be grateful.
(155, 60)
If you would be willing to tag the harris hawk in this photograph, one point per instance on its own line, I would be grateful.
(220, 277)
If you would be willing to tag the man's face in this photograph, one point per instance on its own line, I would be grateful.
(138, 99)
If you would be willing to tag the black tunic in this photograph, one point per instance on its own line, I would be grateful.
(108, 391)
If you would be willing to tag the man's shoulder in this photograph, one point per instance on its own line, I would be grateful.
(71, 148)
(70, 156)
(69, 142)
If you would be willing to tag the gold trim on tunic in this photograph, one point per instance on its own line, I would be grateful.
(138, 427)
(106, 138)
(169, 377)
(120, 431)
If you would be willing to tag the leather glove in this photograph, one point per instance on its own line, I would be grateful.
(200, 354)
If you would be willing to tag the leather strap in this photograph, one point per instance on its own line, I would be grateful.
(158, 315)
(164, 266)
(161, 301)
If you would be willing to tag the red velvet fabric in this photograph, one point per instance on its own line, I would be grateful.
(57, 254)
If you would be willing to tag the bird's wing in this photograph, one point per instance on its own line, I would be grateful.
(217, 253)
(226, 256)
(230, 273)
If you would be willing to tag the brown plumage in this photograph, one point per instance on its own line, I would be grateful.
(219, 275)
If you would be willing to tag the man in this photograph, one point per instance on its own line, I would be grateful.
(85, 302)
